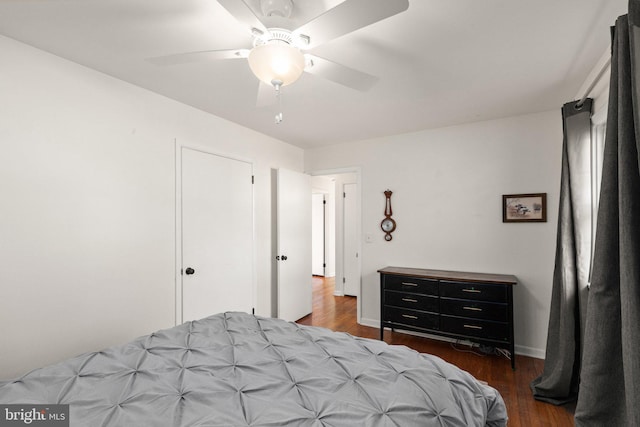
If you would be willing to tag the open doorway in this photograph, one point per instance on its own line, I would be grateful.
(339, 193)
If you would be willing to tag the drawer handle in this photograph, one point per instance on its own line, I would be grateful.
(409, 300)
(408, 316)
(472, 308)
(409, 284)
(473, 327)
(473, 291)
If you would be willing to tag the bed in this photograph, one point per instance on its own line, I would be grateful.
(237, 369)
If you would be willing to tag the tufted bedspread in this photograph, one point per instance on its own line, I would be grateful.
(236, 369)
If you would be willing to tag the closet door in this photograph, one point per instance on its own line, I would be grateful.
(217, 234)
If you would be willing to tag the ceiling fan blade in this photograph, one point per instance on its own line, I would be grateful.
(243, 13)
(348, 16)
(266, 95)
(200, 56)
(341, 74)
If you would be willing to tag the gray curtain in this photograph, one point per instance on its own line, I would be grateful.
(610, 378)
(558, 383)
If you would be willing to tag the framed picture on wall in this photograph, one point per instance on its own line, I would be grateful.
(524, 207)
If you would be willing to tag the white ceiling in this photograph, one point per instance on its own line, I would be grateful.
(440, 63)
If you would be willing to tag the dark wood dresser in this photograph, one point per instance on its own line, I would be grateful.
(477, 307)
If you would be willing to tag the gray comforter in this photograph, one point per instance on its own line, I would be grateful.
(236, 369)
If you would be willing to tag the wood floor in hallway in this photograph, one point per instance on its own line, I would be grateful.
(339, 314)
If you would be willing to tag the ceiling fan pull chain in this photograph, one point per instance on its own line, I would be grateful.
(279, 115)
(277, 84)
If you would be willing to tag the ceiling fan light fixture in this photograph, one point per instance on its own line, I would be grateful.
(276, 61)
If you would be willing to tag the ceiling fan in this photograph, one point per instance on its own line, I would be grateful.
(278, 55)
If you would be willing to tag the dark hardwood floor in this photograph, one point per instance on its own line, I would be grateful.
(339, 314)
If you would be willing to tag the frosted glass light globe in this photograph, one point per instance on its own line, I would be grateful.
(276, 61)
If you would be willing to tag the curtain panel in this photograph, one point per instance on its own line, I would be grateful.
(610, 377)
(558, 383)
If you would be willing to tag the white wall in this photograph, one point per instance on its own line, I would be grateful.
(87, 203)
(598, 81)
(447, 198)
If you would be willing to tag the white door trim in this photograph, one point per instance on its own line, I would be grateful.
(345, 241)
(178, 146)
(318, 241)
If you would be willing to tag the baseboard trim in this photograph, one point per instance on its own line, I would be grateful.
(369, 322)
(520, 349)
(530, 351)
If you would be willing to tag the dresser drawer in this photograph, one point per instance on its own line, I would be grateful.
(415, 318)
(475, 328)
(474, 291)
(411, 284)
(413, 301)
(474, 309)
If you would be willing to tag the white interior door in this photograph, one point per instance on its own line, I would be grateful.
(318, 236)
(294, 245)
(217, 234)
(351, 255)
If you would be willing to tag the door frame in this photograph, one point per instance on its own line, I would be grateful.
(357, 170)
(178, 146)
(324, 233)
(358, 231)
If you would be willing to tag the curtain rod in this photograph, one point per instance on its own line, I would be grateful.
(595, 81)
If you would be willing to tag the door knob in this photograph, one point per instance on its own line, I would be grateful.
(189, 271)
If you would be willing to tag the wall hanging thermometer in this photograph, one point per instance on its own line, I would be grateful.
(388, 224)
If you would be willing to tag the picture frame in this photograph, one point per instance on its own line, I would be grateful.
(530, 207)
